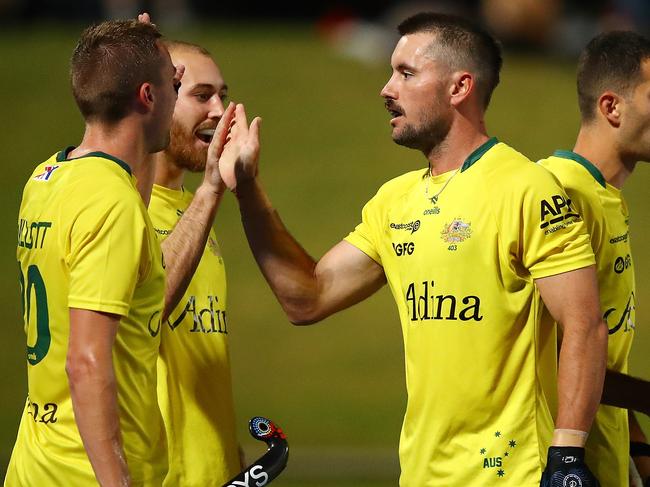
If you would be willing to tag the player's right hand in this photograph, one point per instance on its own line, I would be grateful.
(239, 159)
(144, 18)
(566, 467)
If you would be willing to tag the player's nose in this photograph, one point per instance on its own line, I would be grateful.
(388, 91)
(216, 108)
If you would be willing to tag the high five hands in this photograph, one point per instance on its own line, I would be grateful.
(235, 147)
(238, 161)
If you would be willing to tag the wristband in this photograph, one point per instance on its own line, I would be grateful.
(569, 437)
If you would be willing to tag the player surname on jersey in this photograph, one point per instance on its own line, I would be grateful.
(32, 235)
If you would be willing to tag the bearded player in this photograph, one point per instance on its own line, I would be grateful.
(194, 385)
(485, 238)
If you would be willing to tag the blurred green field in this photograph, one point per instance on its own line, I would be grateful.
(336, 388)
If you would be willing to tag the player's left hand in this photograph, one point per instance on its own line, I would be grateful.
(566, 467)
(212, 177)
(239, 161)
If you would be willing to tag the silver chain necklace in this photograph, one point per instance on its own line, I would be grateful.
(434, 198)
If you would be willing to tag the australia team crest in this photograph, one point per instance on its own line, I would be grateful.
(455, 232)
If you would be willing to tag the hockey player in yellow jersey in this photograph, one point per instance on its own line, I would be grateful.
(470, 246)
(613, 93)
(92, 277)
(92, 274)
(194, 387)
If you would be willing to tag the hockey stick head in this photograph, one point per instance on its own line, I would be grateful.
(272, 463)
(265, 430)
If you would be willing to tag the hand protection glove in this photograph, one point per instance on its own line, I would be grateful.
(566, 467)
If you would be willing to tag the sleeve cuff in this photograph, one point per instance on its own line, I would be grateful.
(553, 268)
(364, 246)
(117, 308)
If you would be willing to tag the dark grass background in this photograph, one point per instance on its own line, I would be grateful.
(337, 388)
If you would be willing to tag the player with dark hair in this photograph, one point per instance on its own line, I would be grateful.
(613, 93)
(194, 381)
(471, 247)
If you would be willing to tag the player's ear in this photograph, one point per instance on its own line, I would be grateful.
(462, 84)
(610, 107)
(145, 96)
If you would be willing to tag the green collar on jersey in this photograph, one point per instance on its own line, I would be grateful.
(63, 156)
(478, 153)
(588, 165)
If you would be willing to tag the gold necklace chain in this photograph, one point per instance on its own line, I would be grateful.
(434, 198)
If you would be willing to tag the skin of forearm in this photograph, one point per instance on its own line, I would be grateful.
(287, 267)
(624, 391)
(580, 377)
(183, 248)
(94, 398)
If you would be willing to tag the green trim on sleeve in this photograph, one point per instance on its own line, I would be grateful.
(478, 153)
(588, 165)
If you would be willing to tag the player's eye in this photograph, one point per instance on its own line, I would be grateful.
(203, 97)
(223, 97)
(406, 74)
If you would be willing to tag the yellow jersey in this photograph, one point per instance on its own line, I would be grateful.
(460, 252)
(194, 388)
(85, 241)
(606, 217)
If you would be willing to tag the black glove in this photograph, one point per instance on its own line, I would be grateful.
(566, 467)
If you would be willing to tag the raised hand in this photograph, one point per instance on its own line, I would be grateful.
(239, 161)
(144, 18)
(212, 176)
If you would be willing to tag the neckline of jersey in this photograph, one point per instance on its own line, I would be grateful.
(174, 193)
(478, 153)
(588, 165)
(62, 156)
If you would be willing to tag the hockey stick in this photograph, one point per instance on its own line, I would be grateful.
(272, 463)
(638, 449)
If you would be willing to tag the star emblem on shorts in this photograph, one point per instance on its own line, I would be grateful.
(483, 450)
(497, 434)
(512, 443)
(506, 454)
(500, 473)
